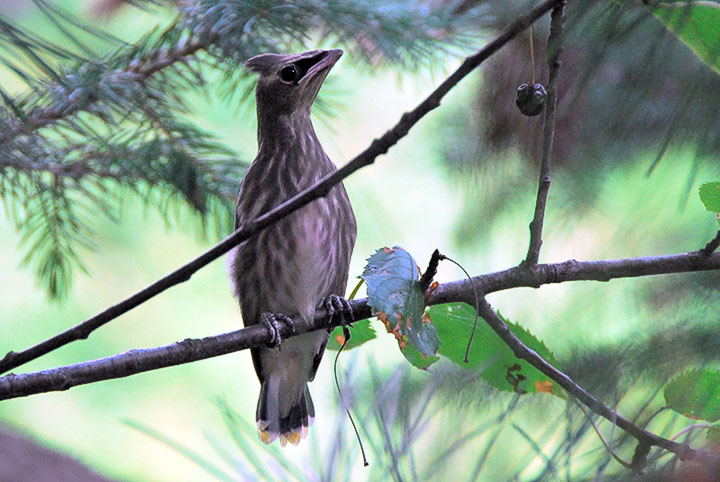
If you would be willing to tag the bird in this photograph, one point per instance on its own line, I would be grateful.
(302, 261)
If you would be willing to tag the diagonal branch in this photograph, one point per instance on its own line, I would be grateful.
(554, 47)
(643, 436)
(319, 189)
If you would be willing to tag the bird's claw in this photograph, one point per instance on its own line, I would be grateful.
(273, 322)
(339, 308)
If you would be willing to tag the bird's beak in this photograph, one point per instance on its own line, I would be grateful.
(327, 59)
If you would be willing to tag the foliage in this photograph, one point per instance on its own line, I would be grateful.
(695, 23)
(710, 197)
(394, 431)
(394, 436)
(394, 293)
(489, 356)
(360, 332)
(695, 394)
(99, 113)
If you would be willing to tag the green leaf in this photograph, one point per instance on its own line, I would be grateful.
(360, 332)
(710, 196)
(489, 355)
(394, 293)
(417, 359)
(695, 394)
(713, 434)
(697, 24)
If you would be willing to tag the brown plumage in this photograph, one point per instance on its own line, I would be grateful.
(302, 261)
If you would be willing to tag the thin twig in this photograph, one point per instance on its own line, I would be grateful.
(554, 47)
(711, 246)
(319, 189)
(607, 445)
(690, 428)
(532, 55)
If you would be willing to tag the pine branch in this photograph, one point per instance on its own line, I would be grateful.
(92, 121)
(232, 31)
(52, 212)
(319, 189)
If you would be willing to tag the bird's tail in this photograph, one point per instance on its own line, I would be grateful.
(291, 426)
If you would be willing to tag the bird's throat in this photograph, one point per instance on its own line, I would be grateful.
(292, 133)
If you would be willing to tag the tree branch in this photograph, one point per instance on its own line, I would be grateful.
(554, 48)
(573, 270)
(319, 189)
(189, 350)
(523, 352)
(141, 360)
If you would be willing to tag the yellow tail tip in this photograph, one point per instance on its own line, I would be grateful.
(266, 437)
(294, 437)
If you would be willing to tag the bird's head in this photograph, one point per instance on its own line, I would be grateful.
(290, 83)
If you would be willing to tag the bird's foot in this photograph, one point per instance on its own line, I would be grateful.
(273, 323)
(339, 308)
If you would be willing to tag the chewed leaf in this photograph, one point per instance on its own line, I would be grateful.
(696, 24)
(360, 332)
(489, 355)
(695, 394)
(394, 293)
(710, 196)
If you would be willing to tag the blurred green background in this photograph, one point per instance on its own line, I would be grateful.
(441, 187)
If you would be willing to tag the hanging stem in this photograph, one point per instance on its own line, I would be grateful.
(532, 55)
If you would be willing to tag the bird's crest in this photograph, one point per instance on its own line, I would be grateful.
(263, 63)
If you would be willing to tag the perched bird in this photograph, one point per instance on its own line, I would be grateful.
(302, 261)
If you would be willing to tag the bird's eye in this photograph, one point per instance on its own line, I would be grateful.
(289, 74)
